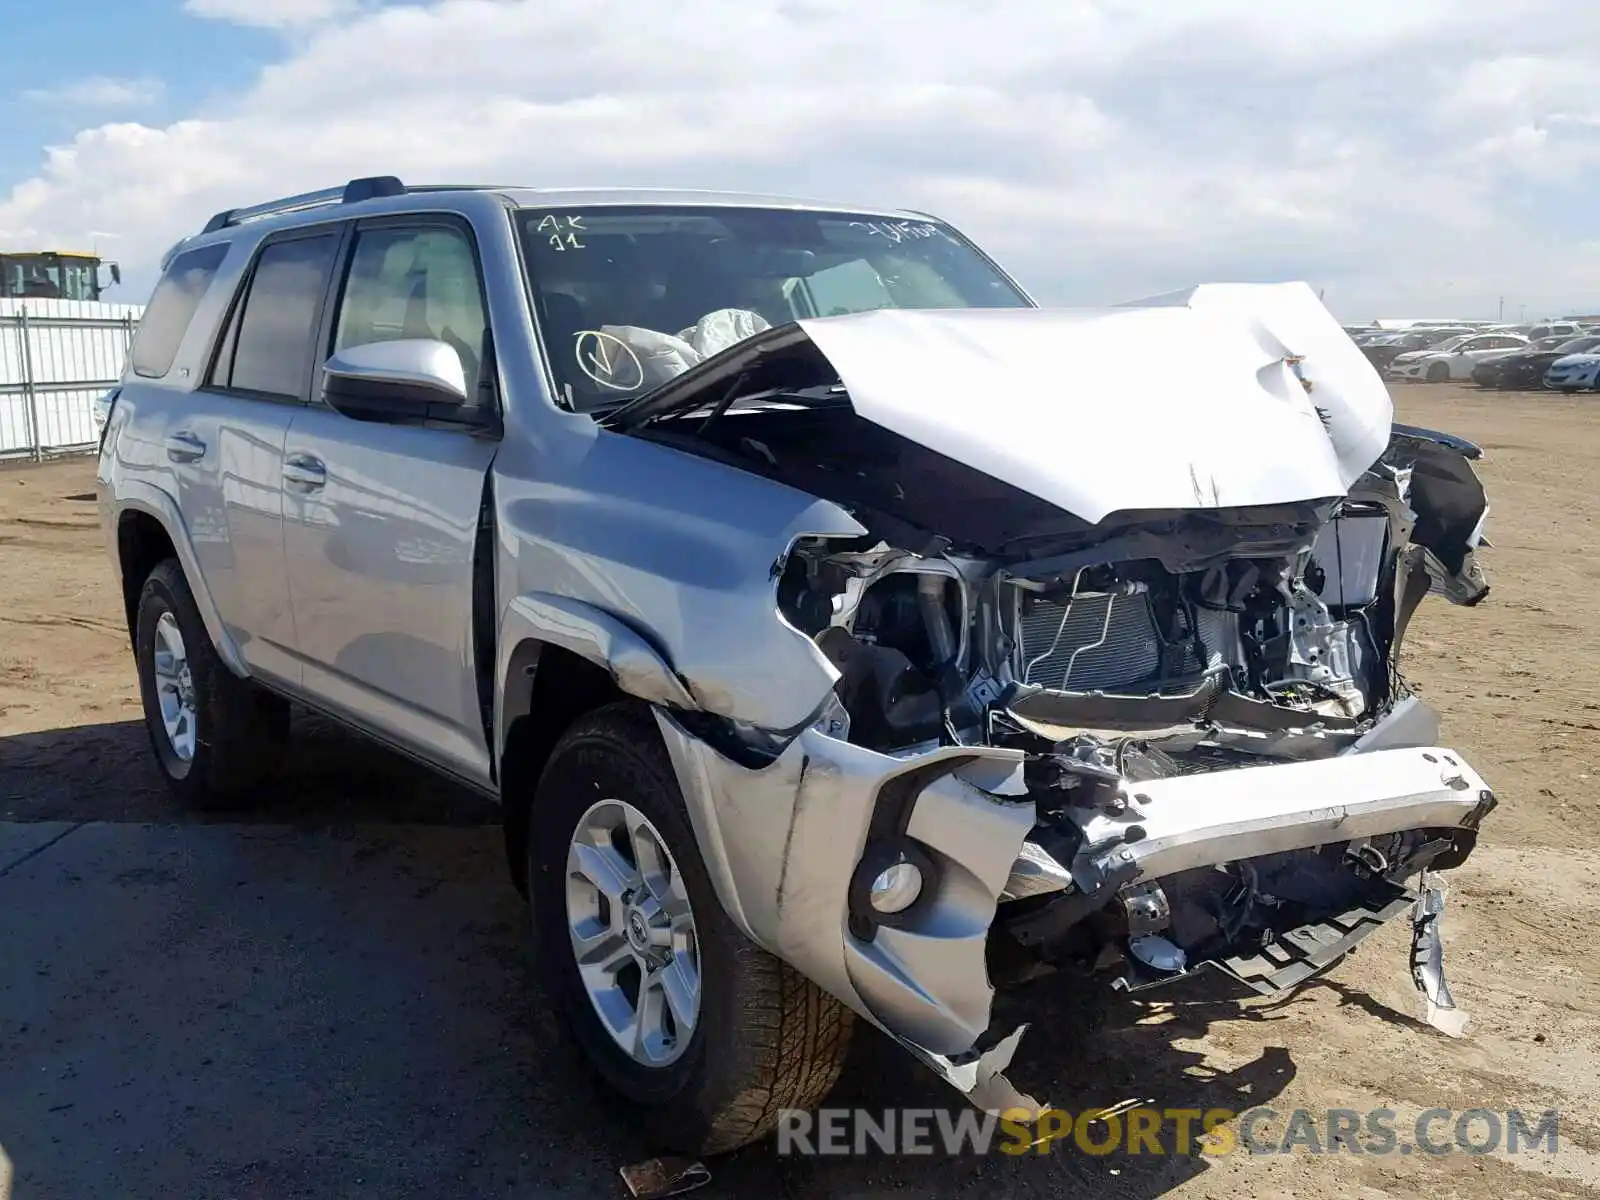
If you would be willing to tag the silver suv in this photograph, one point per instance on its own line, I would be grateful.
(844, 636)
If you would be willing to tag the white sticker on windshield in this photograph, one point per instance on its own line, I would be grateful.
(608, 360)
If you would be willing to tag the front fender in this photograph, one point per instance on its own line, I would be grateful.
(635, 665)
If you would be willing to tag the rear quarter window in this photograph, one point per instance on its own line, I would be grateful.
(166, 318)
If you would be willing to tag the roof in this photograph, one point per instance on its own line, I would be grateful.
(388, 192)
(526, 197)
(384, 194)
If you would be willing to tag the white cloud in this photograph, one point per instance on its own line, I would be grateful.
(98, 91)
(269, 14)
(1403, 155)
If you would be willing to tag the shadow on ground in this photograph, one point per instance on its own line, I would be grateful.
(332, 995)
(331, 776)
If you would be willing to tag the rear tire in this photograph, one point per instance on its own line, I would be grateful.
(763, 1037)
(214, 735)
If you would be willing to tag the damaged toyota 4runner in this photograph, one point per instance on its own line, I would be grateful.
(845, 636)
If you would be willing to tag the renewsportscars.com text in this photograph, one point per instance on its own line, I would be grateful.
(1156, 1131)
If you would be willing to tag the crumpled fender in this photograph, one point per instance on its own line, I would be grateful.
(634, 664)
(1450, 507)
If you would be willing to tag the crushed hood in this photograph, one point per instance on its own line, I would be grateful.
(1220, 396)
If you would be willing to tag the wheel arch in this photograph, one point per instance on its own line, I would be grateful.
(149, 528)
(559, 659)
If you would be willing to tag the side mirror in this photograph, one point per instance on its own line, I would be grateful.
(415, 378)
(116, 273)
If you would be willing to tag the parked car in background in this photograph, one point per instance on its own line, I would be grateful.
(1526, 368)
(1575, 372)
(1453, 359)
(1383, 350)
(1554, 329)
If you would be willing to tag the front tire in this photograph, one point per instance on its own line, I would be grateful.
(677, 1010)
(214, 735)
(1438, 373)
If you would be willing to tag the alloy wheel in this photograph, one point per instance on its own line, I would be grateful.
(633, 933)
(174, 686)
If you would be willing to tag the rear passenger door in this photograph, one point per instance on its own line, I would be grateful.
(227, 448)
(382, 512)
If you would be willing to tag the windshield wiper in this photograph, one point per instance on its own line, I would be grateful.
(832, 394)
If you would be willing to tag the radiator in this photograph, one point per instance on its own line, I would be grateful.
(1130, 653)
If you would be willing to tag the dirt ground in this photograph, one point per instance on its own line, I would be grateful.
(1516, 679)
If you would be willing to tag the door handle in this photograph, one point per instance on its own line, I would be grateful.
(305, 472)
(183, 447)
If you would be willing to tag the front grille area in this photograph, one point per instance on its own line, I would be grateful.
(1131, 652)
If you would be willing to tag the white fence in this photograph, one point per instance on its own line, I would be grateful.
(56, 358)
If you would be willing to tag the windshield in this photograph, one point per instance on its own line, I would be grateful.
(628, 297)
(1450, 344)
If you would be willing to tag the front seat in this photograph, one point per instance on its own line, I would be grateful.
(417, 325)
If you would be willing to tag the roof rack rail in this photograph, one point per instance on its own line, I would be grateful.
(368, 187)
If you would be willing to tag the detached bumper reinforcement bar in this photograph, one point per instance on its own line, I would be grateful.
(1200, 820)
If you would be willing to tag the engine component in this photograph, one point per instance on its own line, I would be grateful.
(1035, 873)
(891, 704)
(930, 599)
(1090, 641)
(1145, 909)
(1155, 952)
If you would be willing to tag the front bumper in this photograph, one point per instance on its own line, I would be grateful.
(1409, 370)
(786, 844)
(1572, 378)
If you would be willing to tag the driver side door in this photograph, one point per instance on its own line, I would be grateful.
(383, 513)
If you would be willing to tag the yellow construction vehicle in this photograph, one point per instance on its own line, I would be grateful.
(54, 275)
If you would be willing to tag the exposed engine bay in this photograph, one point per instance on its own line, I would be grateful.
(1225, 765)
(1111, 674)
(1146, 647)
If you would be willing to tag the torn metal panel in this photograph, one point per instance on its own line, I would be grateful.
(981, 1078)
(1427, 965)
(1408, 723)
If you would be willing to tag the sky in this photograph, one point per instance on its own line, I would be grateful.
(1408, 157)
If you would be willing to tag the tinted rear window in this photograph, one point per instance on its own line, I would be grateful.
(166, 318)
(273, 348)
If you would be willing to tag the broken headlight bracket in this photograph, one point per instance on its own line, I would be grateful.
(889, 845)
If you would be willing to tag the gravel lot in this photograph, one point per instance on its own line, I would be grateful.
(333, 995)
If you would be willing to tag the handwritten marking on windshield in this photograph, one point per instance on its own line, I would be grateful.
(608, 360)
(563, 232)
(897, 231)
